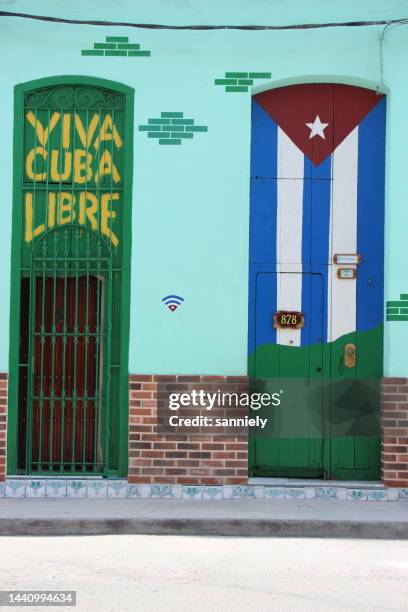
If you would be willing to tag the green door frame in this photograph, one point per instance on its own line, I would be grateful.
(12, 419)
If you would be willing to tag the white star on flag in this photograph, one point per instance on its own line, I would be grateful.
(317, 128)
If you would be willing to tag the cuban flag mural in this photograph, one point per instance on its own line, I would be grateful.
(317, 192)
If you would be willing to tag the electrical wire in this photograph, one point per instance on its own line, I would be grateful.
(156, 26)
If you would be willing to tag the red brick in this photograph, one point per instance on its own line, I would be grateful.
(393, 466)
(212, 446)
(152, 471)
(224, 472)
(158, 454)
(137, 479)
(165, 445)
(223, 455)
(149, 386)
(243, 455)
(164, 462)
(186, 480)
(395, 483)
(393, 397)
(141, 377)
(212, 463)
(138, 395)
(141, 445)
(394, 380)
(141, 462)
(198, 472)
(177, 454)
(164, 479)
(396, 414)
(149, 403)
(188, 446)
(187, 463)
(178, 471)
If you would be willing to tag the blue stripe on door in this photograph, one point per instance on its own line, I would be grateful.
(265, 308)
(262, 228)
(370, 219)
(315, 243)
(263, 144)
(263, 198)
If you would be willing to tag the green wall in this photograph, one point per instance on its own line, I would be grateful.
(191, 201)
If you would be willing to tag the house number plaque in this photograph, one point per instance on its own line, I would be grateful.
(288, 319)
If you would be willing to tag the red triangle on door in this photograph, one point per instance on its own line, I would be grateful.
(317, 117)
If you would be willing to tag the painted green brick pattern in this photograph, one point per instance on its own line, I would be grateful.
(240, 81)
(171, 128)
(397, 310)
(116, 46)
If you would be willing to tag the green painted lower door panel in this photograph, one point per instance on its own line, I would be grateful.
(328, 424)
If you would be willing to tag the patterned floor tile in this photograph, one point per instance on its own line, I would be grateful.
(117, 488)
(35, 488)
(97, 488)
(325, 492)
(393, 494)
(76, 488)
(162, 491)
(274, 492)
(190, 492)
(357, 494)
(15, 488)
(212, 492)
(310, 492)
(56, 488)
(377, 495)
(134, 491)
(341, 493)
(297, 493)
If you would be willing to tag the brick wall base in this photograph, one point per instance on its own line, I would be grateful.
(3, 424)
(192, 458)
(197, 458)
(394, 459)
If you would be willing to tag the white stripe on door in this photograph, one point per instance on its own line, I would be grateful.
(289, 233)
(343, 236)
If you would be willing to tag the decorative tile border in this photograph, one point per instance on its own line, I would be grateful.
(240, 81)
(397, 310)
(116, 46)
(120, 489)
(171, 128)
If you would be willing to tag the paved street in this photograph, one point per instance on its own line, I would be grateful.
(135, 572)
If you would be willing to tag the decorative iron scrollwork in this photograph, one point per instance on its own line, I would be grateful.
(81, 97)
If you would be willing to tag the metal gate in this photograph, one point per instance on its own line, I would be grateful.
(69, 353)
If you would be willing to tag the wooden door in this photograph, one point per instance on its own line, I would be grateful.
(67, 353)
(317, 192)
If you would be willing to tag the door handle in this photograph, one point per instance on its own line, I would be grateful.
(349, 355)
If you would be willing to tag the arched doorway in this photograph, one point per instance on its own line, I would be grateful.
(70, 278)
(316, 278)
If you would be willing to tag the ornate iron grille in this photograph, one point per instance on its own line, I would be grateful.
(70, 336)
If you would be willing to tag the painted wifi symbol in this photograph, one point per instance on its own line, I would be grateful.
(172, 301)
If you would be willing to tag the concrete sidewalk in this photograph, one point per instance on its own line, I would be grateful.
(295, 518)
